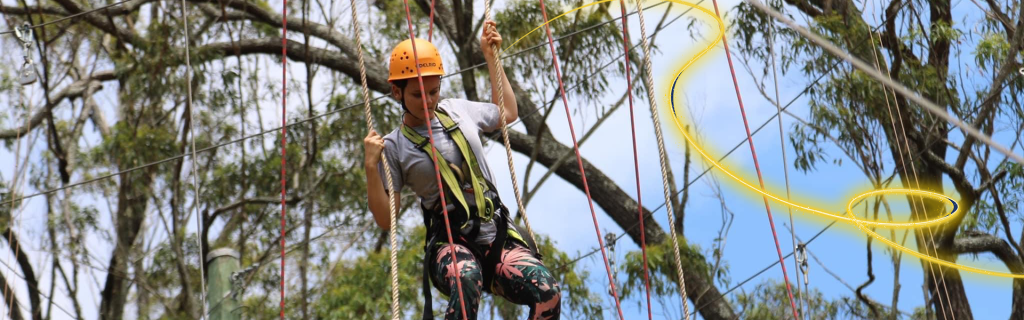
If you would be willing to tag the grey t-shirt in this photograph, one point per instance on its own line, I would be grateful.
(412, 167)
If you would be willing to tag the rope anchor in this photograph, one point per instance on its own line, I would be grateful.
(27, 73)
(801, 257)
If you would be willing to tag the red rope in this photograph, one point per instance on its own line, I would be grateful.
(430, 32)
(753, 153)
(284, 133)
(437, 171)
(636, 161)
(579, 161)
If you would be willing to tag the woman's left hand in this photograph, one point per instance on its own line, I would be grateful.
(489, 36)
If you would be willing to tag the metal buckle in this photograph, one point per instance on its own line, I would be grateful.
(27, 74)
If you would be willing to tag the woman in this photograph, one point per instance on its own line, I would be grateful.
(492, 254)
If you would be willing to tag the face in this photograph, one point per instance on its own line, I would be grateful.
(413, 95)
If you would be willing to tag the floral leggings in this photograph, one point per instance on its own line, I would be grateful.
(518, 277)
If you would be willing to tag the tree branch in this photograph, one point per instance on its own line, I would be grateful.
(26, 268)
(980, 242)
(376, 75)
(74, 90)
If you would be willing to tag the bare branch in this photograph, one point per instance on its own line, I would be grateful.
(74, 90)
(980, 242)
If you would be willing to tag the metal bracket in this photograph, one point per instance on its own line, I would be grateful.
(236, 279)
(801, 257)
(27, 73)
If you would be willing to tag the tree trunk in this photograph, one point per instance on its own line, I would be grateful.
(133, 197)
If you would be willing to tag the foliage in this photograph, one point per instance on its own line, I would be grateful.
(769, 300)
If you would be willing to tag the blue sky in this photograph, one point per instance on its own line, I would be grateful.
(749, 248)
(561, 211)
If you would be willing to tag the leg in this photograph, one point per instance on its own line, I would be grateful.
(469, 275)
(522, 279)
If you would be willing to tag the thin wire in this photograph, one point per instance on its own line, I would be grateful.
(17, 159)
(722, 295)
(434, 154)
(15, 273)
(579, 159)
(299, 122)
(928, 105)
(917, 182)
(892, 121)
(195, 175)
(757, 167)
(662, 156)
(636, 161)
(72, 16)
(392, 234)
(284, 137)
(785, 168)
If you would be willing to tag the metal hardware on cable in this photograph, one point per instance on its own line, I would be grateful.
(1021, 70)
(801, 258)
(609, 240)
(236, 279)
(27, 73)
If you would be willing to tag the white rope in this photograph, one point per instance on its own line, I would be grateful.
(387, 169)
(785, 168)
(195, 177)
(928, 105)
(663, 158)
(906, 144)
(504, 128)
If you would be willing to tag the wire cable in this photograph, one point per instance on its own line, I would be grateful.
(579, 159)
(757, 167)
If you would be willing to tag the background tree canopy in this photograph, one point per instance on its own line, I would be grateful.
(112, 104)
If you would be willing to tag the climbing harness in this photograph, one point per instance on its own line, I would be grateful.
(27, 73)
(466, 219)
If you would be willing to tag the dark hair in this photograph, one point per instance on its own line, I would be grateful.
(401, 83)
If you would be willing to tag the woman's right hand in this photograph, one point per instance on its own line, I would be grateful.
(374, 145)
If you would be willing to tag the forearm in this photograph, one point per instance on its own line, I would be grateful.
(507, 95)
(378, 199)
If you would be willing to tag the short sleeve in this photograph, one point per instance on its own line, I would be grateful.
(486, 115)
(394, 164)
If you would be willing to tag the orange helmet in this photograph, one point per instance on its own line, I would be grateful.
(402, 67)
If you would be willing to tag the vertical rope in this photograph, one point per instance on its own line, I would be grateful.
(636, 161)
(579, 160)
(663, 158)
(284, 135)
(906, 144)
(434, 155)
(504, 129)
(195, 176)
(753, 153)
(387, 168)
(430, 32)
(785, 169)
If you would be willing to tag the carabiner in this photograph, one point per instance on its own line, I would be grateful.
(27, 73)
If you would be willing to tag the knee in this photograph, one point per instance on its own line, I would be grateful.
(549, 301)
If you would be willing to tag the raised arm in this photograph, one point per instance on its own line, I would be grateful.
(491, 36)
